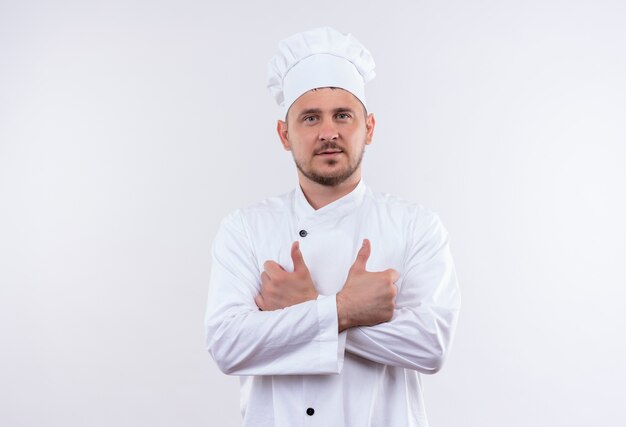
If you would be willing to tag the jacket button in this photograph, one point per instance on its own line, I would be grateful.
(303, 233)
(310, 411)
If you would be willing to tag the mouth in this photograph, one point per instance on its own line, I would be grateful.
(329, 152)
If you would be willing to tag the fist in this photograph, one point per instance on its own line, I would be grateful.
(280, 288)
(367, 298)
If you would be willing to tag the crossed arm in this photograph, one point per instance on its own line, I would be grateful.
(367, 298)
(285, 327)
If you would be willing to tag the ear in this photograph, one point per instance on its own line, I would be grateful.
(370, 124)
(283, 134)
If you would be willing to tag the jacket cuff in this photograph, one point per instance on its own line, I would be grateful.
(332, 344)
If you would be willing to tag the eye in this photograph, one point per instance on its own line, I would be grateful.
(309, 119)
(343, 116)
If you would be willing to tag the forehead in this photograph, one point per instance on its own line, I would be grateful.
(324, 98)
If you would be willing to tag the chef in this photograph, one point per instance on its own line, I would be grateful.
(330, 301)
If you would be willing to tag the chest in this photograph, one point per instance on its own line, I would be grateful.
(329, 245)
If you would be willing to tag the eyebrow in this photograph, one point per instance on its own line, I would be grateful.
(318, 111)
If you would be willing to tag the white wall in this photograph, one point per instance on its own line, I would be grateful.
(128, 129)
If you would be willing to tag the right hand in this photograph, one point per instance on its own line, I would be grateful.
(367, 298)
(280, 288)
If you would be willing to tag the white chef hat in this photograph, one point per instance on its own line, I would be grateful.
(322, 57)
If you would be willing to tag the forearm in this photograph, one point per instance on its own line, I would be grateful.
(419, 333)
(301, 339)
(416, 339)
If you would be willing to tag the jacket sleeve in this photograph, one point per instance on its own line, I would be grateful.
(301, 339)
(419, 334)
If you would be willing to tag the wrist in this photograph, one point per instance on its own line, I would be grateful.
(343, 319)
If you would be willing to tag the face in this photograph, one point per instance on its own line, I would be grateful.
(327, 131)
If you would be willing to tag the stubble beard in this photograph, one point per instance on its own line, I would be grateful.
(332, 179)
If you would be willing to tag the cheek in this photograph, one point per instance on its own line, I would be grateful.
(303, 144)
(299, 151)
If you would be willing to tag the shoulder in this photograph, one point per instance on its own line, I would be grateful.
(401, 209)
(237, 230)
(422, 226)
(271, 207)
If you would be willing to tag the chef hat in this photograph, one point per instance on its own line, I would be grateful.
(322, 57)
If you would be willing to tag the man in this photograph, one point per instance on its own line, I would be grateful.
(330, 300)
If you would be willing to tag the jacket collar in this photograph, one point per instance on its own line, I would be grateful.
(339, 207)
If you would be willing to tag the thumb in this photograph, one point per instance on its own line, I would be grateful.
(297, 258)
(362, 256)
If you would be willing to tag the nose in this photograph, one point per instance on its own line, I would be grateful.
(328, 131)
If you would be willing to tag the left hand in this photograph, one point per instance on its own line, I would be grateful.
(280, 288)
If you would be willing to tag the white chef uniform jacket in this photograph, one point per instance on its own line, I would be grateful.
(293, 362)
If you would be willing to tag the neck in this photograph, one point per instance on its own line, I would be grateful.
(319, 195)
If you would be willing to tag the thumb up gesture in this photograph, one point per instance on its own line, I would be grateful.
(280, 288)
(367, 298)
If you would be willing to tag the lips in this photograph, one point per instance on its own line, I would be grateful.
(332, 151)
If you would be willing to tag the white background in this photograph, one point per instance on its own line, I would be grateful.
(128, 129)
